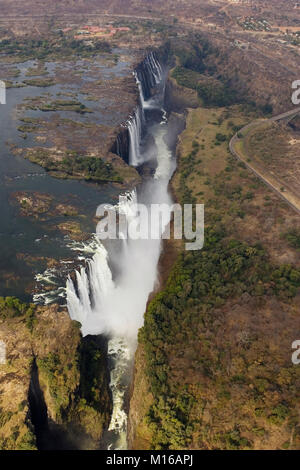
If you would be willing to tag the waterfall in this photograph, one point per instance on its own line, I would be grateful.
(99, 303)
(148, 76)
(140, 88)
(93, 283)
(135, 129)
(109, 296)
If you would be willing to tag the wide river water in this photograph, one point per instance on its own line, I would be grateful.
(23, 235)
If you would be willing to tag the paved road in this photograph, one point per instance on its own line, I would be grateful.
(290, 113)
(257, 173)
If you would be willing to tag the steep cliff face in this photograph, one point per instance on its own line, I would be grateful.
(121, 144)
(139, 431)
(54, 385)
(16, 430)
(179, 98)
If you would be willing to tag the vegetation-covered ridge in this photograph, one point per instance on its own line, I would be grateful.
(72, 165)
(188, 310)
(72, 378)
(198, 68)
(57, 46)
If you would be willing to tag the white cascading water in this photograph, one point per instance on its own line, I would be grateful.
(115, 306)
(135, 129)
(136, 122)
(155, 67)
(141, 93)
(155, 75)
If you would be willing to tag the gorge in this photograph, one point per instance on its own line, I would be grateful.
(110, 294)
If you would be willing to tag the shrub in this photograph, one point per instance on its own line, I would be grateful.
(11, 307)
